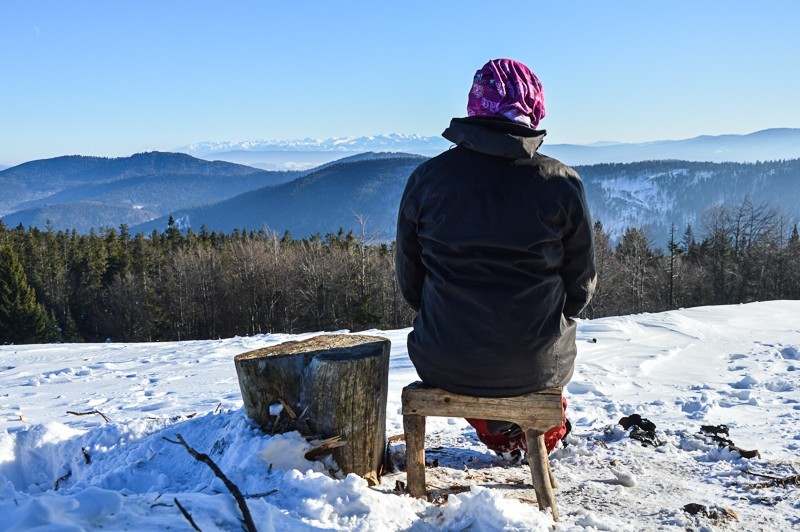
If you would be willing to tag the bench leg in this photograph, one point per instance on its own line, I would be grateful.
(414, 428)
(550, 474)
(540, 472)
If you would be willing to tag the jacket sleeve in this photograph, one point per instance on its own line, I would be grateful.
(578, 269)
(408, 253)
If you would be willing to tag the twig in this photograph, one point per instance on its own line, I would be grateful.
(289, 409)
(64, 478)
(160, 505)
(216, 410)
(303, 413)
(276, 422)
(324, 447)
(89, 413)
(233, 488)
(762, 476)
(782, 482)
(259, 495)
(187, 515)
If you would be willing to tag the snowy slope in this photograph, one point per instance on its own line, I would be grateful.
(734, 365)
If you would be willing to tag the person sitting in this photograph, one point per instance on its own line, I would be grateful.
(494, 251)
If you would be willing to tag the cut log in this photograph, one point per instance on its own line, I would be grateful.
(337, 383)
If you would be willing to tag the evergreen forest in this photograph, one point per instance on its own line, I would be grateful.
(186, 285)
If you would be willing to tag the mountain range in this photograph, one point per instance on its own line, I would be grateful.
(84, 192)
(318, 202)
(143, 190)
(304, 154)
(769, 144)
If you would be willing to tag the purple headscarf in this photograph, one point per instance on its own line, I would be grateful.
(508, 88)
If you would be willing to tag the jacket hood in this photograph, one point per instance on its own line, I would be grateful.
(495, 136)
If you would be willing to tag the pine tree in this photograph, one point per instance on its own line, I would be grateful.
(792, 257)
(22, 319)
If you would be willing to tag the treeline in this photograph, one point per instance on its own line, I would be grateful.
(740, 254)
(183, 285)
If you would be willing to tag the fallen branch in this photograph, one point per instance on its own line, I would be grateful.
(89, 413)
(713, 433)
(187, 515)
(745, 454)
(753, 473)
(713, 512)
(259, 495)
(233, 488)
(775, 481)
(324, 447)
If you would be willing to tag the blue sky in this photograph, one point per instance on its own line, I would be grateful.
(114, 78)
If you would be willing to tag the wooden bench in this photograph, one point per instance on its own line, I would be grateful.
(535, 413)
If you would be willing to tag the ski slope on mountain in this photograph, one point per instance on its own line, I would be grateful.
(732, 365)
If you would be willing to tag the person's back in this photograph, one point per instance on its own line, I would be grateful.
(494, 249)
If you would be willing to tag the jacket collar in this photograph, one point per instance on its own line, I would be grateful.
(495, 136)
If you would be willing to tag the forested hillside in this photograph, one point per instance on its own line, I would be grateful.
(654, 195)
(90, 192)
(144, 190)
(651, 195)
(330, 197)
(180, 285)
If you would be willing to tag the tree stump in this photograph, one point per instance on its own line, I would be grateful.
(341, 383)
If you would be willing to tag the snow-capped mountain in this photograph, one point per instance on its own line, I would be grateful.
(388, 142)
(303, 154)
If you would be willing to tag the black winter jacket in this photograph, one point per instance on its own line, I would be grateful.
(494, 250)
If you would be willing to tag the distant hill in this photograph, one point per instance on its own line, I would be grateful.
(121, 190)
(319, 202)
(654, 194)
(650, 195)
(766, 145)
(224, 196)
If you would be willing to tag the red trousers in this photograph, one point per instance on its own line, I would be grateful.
(503, 444)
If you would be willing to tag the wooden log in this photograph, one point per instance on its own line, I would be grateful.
(339, 381)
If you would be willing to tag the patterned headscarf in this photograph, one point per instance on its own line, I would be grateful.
(508, 88)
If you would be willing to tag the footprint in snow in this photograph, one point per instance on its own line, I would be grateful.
(790, 353)
(578, 388)
(747, 383)
(779, 385)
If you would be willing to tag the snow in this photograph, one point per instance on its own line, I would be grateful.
(364, 143)
(731, 365)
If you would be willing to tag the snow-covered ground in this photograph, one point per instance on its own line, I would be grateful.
(733, 365)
